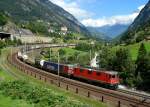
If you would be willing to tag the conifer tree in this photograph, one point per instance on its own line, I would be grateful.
(143, 68)
(142, 60)
(123, 64)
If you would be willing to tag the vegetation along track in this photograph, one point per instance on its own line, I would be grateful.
(97, 93)
(4, 65)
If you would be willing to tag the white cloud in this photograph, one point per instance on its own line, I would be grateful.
(141, 7)
(119, 19)
(73, 8)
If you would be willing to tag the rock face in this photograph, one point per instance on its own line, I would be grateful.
(24, 11)
(140, 28)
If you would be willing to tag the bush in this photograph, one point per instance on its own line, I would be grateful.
(37, 27)
(83, 47)
(3, 19)
(40, 97)
(2, 44)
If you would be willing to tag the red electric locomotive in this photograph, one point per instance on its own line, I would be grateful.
(107, 78)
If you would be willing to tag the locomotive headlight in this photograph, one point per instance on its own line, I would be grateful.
(25, 57)
(42, 62)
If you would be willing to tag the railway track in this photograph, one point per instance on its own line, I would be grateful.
(5, 66)
(116, 98)
(137, 94)
(133, 93)
(39, 46)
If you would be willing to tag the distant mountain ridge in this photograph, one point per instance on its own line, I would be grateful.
(98, 34)
(140, 28)
(108, 32)
(24, 11)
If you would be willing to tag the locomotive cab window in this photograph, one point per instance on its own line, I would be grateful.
(75, 69)
(98, 73)
(81, 70)
(113, 76)
(89, 72)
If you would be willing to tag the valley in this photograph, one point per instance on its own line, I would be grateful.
(98, 44)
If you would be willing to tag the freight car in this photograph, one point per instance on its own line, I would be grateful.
(107, 78)
(24, 58)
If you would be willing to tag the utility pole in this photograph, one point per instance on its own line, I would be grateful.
(11, 54)
(90, 55)
(66, 59)
(50, 54)
(91, 50)
(25, 47)
(58, 70)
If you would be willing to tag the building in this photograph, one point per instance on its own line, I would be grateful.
(64, 30)
(50, 30)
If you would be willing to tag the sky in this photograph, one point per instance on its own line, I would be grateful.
(98, 13)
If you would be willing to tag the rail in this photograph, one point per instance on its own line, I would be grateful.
(116, 98)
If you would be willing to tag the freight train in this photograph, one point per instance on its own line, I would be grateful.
(101, 76)
(109, 79)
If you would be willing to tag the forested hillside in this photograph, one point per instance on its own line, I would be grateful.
(140, 28)
(43, 12)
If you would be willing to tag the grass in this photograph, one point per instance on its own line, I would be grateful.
(5, 76)
(8, 102)
(71, 51)
(133, 48)
(34, 81)
(63, 92)
(68, 52)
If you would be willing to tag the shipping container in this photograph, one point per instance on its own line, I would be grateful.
(52, 66)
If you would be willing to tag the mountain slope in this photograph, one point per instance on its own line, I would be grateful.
(109, 32)
(98, 34)
(140, 28)
(25, 11)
